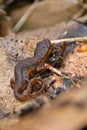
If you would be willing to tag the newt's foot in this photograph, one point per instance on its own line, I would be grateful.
(12, 83)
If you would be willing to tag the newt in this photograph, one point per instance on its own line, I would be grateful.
(25, 68)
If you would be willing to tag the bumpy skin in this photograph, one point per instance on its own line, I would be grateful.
(42, 51)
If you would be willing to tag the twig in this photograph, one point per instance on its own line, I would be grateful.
(56, 71)
(25, 17)
(77, 39)
(48, 66)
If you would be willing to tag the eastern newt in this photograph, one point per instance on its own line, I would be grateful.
(23, 82)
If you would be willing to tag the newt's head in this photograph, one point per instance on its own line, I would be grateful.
(43, 49)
